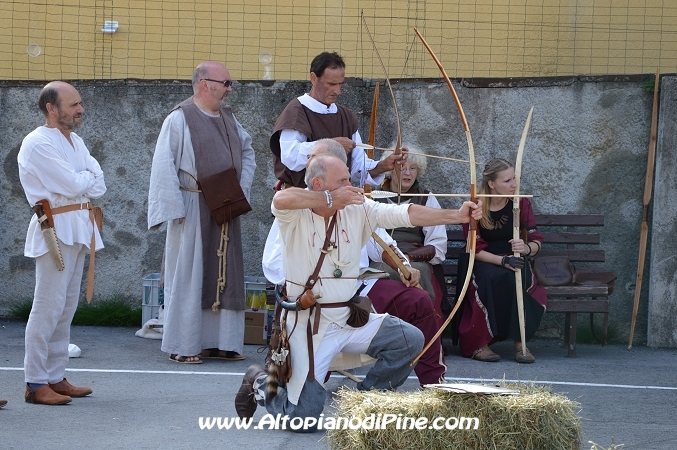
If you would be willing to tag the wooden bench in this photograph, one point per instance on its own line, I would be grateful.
(562, 237)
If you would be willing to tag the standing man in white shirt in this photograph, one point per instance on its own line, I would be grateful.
(314, 116)
(58, 173)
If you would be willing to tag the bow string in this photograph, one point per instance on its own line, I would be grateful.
(398, 144)
(372, 138)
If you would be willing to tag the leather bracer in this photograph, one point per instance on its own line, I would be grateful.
(421, 254)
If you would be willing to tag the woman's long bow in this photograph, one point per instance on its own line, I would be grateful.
(516, 230)
(472, 233)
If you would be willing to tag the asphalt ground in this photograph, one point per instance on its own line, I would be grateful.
(142, 400)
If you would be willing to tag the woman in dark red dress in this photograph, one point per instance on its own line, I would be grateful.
(489, 313)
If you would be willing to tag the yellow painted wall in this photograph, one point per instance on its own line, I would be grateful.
(165, 39)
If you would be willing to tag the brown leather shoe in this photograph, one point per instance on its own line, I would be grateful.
(245, 402)
(45, 396)
(3, 403)
(485, 354)
(523, 359)
(63, 387)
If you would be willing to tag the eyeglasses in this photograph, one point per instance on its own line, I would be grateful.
(226, 83)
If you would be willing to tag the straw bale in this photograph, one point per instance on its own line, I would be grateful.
(534, 419)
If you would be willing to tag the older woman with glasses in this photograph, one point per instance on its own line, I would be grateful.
(426, 247)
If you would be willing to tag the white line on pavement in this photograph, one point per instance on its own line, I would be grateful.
(473, 380)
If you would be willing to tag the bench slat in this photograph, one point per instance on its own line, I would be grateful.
(575, 255)
(450, 270)
(550, 237)
(568, 237)
(453, 252)
(579, 306)
(570, 220)
(455, 236)
(601, 290)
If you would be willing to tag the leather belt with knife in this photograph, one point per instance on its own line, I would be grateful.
(46, 215)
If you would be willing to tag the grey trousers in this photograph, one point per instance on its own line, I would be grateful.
(394, 345)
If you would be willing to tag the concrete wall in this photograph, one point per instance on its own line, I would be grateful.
(586, 153)
(663, 263)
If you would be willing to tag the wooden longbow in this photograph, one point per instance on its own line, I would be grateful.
(648, 185)
(516, 231)
(472, 233)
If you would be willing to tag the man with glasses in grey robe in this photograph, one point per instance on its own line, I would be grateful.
(199, 138)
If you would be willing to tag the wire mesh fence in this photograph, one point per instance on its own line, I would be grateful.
(264, 39)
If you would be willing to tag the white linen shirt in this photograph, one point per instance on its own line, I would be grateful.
(272, 258)
(301, 243)
(435, 235)
(53, 169)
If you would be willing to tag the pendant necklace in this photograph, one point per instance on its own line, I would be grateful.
(338, 273)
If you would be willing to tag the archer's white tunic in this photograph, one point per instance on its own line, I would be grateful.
(303, 235)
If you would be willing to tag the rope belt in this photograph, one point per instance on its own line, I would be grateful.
(92, 245)
(221, 253)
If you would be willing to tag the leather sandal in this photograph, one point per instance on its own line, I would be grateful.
(485, 354)
(523, 359)
(215, 353)
(185, 359)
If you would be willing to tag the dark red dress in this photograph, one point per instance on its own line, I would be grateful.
(489, 310)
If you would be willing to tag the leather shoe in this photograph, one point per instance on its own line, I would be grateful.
(45, 396)
(63, 387)
(245, 402)
(3, 403)
(486, 355)
(524, 359)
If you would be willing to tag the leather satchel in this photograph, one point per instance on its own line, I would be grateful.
(360, 308)
(224, 196)
(553, 270)
(585, 278)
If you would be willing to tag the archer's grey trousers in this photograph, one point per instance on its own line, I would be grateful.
(394, 346)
